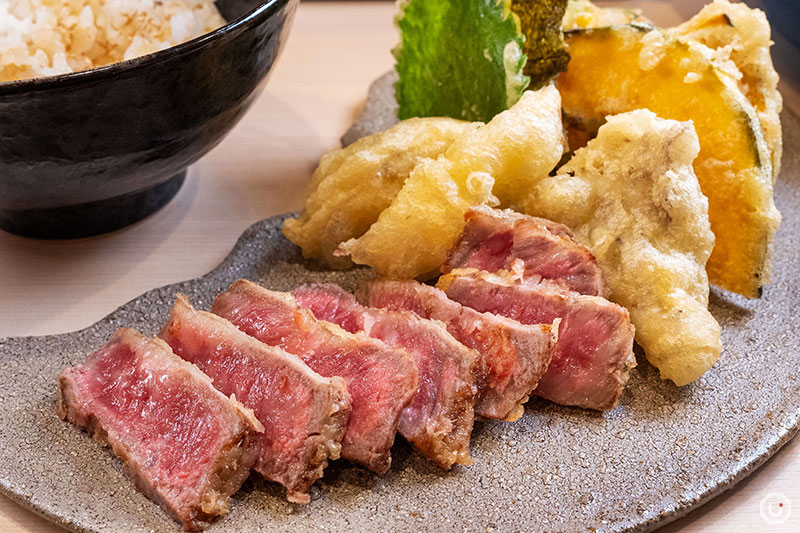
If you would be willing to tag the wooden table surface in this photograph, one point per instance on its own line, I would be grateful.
(335, 50)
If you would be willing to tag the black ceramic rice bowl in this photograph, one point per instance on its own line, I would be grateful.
(93, 151)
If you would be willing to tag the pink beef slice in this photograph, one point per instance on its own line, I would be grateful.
(186, 445)
(303, 414)
(438, 421)
(513, 356)
(381, 379)
(495, 239)
(594, 352)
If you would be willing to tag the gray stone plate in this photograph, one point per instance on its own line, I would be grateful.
(661, 453)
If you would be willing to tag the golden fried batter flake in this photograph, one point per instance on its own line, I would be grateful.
(583, 14)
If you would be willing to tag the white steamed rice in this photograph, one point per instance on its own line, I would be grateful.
(48, 37)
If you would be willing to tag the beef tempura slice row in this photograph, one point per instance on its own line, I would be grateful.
(495, 239)
(594, 351)
(303, 414)
(513, 356)
(439, 419)
(381, 379)
(186, 445)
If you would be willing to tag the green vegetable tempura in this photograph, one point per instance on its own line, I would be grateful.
(458, 58)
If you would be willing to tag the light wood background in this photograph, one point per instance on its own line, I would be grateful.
(336, 49)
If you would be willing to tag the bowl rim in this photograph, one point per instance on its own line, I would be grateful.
(44, 83)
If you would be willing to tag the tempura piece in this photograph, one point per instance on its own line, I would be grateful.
(623, 68)
(352, 186)
(632, 198)
(412, 236)
(742, 35)
(505, 157)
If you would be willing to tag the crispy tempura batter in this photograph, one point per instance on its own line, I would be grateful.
(583, 14)
(742, 34)
(505, 157)
(352, 186)
(632, 198)
(624, 68)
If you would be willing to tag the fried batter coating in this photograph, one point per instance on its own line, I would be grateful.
(632, 198)
(584, 14)
(352, 186)
(742, 35)
(503, 158)
(623, 68)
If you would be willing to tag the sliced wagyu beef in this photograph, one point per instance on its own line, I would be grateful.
(186, 445)
(513, 356)
(495, 239)
(303, 413)
(439, 419)
(381, 379)
(594, 352)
